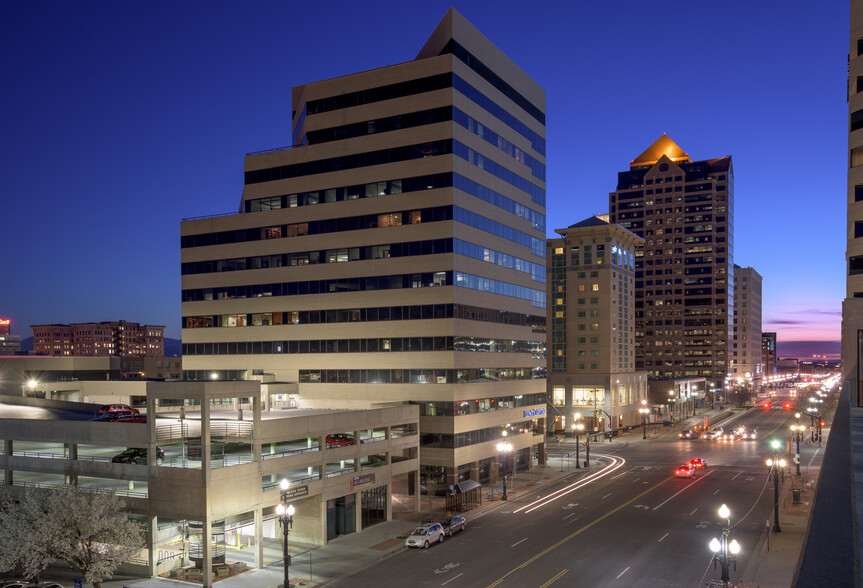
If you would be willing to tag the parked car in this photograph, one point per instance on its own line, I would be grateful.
(453, 525)
(339, 440)
(131, 418)
(697, 463)
(25, 584)
(687, 434)
(425, 535)
(138, 455)
(116, 415)
(684, 471)
(113, 407)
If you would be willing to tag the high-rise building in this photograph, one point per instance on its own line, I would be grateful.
(852, 306)
(9, 344)
(591, 304)
(109, 338)
(768, 354)
(393, 254)
(748, 364)
(684, 299)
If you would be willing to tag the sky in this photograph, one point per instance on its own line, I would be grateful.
(120, 119)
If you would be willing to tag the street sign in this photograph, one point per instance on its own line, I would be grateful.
(79, 584)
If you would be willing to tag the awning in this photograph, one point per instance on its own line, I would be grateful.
(468, 485)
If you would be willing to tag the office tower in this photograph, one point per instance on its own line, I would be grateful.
(852, 306)
(9, 344)
(768, 354)
(684, 302)
(591, 304)
(107, 338)
(748, 364)
(393, 254)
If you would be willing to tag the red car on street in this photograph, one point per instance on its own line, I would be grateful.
(697, 463)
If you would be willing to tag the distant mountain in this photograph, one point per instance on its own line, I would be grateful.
(173, 347)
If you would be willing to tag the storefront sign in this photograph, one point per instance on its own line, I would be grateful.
(362, 480)
(296, 492)
(534, 412)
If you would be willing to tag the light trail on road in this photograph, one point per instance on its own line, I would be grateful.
(616, 464)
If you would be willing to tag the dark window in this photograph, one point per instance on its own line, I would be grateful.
(858, 193)
(858, 229)
(855, 265)
(856, 120)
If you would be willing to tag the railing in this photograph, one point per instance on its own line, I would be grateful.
(230, 429)
(45, 455)
(163, 558)
(373, 439)
(289, 452)
(294, 481)
(230, 460)
(168, 432)
(117, 491)
(340, 472)
(270, 150)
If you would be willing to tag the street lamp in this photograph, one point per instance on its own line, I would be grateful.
(286, 516)
(577, 428)
(796, 435)
(644, 412)
(773, 464)
(670, 405)
(503, 448)
(723, 550)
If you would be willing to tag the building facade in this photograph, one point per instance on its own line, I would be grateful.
(9, 344)
(109, 338)
(768, 354)
(684, 272)
(747, 350)
(393, 254)
(591, 321)
(852, 305)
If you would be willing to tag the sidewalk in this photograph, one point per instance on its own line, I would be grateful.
(314, 566)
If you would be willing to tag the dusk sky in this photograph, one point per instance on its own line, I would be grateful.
(120, 119)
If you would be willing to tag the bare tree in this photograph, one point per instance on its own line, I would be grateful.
(88, 530)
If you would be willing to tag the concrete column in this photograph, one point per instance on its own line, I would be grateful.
(207, 552)
(494, 470)
(417, 494)
(389, 501)
(153, 527)
(8, 450)
(358, 511)
(474, 471)
(256, 428)
(259, 540)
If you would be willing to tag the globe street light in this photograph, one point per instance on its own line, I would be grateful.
(577, 428)
(644, 412)
(773, 464)
(796, 435)
(503, 448)
(725, 552)
(286, 516)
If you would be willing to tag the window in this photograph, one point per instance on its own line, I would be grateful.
(855, 265)
(858, 193)
(856, 120)
(858, 229)
(594, 287)
(856, 156)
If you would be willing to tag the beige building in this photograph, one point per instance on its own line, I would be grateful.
(684, 272)
(852, 306)
(748, 361)
(591, 363)
(393, 254)
(220, 458)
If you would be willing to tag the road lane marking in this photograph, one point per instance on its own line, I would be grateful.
(663, 537)
(554, 579)
(682, 489)
(569, 515)
(693, 512)
(618, 475)
(606, 496)
(516, 543)
(453, 578)
(616, 463)
(621, 573)
(574, 534)
(717, 492)
(735, 477)
(813, 457)
(635, 480)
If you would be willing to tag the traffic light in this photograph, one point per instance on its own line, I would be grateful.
(766, 405)
(821, 424)
(787, 406)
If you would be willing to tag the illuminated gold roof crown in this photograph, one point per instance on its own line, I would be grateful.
(662, 146)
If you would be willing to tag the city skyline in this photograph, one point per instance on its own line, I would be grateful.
(128, 121)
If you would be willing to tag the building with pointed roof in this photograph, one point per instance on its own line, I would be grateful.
(591, 362)
(393, 254)
(684, 272)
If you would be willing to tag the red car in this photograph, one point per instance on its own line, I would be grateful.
(684, 471)
(697, 463)
(339, 440)
(116, 407)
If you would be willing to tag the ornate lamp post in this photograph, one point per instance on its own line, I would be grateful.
(577, 428)
(671, 406)
(644, 412)
(797, 434)
(725, 552)
(775, 464)
(286, 516)
(503, 448)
